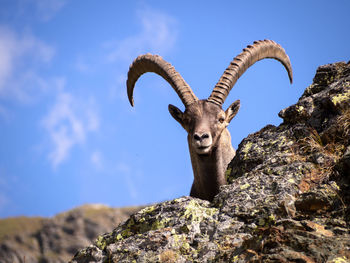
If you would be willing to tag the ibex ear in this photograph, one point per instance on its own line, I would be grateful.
(232, 110)
(176, 113)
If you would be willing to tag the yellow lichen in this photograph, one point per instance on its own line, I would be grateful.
(265, 222)
(246, 149)
(340, 98)
(196, 212)
(148, 209)
(181, 243)
(261, 222)
(291, 180)
(271, 219)
(101, 242)
(126, 233)
(299, 108)
(245, 186)
(339, 260)
(157, 225)
(235, 258)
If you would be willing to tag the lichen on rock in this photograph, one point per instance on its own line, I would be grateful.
(287, 199)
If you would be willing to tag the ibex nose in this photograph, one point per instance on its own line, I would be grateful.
(200, 137)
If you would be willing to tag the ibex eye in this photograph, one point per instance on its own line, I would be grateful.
(221, 120)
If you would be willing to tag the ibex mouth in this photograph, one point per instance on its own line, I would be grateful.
(203, 149)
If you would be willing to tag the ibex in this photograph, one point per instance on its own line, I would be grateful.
(209, 140)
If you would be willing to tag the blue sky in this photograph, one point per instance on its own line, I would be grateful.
(68, 135)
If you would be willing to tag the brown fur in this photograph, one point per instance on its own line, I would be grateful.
(209, 165)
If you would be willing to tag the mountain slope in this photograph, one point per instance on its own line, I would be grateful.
(35, 239)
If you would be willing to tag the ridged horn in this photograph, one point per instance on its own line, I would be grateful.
(156, 64)
(252, 53)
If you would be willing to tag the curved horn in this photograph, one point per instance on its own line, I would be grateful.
(252, 53)
(154, 63)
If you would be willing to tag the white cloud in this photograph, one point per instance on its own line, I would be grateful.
(44, 10)
(20, 57)
(48, 8)
(68, 123)
(4, 113)
(96, 159)
(129, 178)
(82, 66)
(158, 35)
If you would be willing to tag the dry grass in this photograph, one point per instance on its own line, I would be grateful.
(168, 256)
(18, 225)
(315, 177)
(329, 147)
(332, 142)
(343, 123)
(311, 144)
(310, 147)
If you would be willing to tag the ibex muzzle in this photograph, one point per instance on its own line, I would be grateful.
(205, 121)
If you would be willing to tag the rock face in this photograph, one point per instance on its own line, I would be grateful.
(57, 239)
(287, 199)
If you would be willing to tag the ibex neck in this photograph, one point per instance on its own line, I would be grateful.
(209, 170)
(210, 166)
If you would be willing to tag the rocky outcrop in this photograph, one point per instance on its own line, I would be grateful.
(287, 200)
(33, 240)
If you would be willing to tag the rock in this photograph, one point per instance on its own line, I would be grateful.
(56, 239)
(287, 199)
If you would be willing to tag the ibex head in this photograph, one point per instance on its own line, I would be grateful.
(204, 120)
